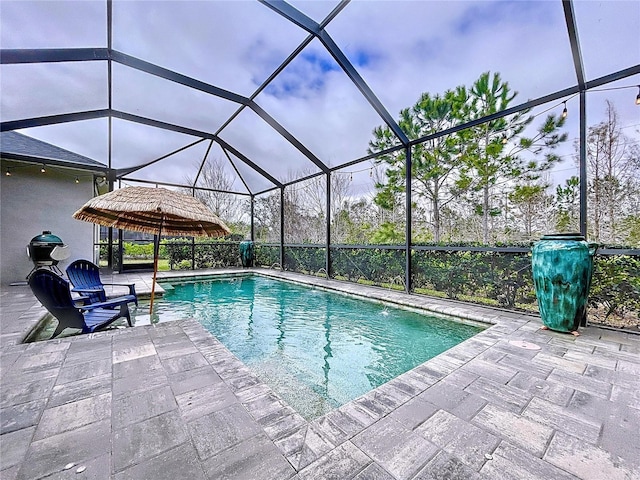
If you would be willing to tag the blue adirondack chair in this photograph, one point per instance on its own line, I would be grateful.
(85, 277)
(53, 292)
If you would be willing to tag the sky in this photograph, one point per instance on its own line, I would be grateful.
(400, 49)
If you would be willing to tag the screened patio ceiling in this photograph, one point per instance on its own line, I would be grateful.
(280, 91)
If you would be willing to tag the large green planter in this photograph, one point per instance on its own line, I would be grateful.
(562, 265)
(247, 253)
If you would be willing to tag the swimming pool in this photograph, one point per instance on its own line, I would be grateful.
(316, 349)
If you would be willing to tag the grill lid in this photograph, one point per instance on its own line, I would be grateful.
(47, 238)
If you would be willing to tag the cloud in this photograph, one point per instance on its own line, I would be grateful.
(400, 48)
(57, 24)
(34, 90)
(446, 44)
(233, 45)
(304, 77)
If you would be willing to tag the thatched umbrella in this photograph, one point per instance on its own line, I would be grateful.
(152, 210)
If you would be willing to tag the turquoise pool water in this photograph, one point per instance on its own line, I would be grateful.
(316, 349)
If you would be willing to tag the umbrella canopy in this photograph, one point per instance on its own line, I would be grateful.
(152, 210)
(143, 209)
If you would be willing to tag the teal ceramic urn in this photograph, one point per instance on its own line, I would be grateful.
(562, 265)
(247, 253)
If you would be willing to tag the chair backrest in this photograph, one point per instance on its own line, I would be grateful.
(85, 274)
(53, 292)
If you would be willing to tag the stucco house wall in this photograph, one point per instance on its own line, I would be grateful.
(31, 202)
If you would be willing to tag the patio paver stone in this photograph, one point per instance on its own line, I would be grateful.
(169, 401)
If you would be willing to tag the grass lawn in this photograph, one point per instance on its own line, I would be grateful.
(163, 264)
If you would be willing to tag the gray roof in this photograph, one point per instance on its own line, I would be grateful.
(21, 147)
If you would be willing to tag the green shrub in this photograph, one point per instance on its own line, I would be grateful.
(488, 277)
(178, 251)
(184, 265)
(138, 250)
(616, 284)
(267, 255)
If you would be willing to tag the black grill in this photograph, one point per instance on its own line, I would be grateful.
(40, 248)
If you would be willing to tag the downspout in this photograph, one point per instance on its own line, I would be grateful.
(327, 257)
(111, 177)
(282, 228)
(407, 253)
(120, 244)
(252, 203)
(583, 163)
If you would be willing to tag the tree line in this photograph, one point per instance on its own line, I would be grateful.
(489, 184)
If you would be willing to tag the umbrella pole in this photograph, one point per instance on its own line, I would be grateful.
(156, 254)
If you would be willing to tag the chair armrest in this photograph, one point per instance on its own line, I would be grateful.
(87, 290)
(109, 303)
(81, 300)
(132, 287)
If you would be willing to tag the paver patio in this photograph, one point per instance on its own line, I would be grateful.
(170, 401)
